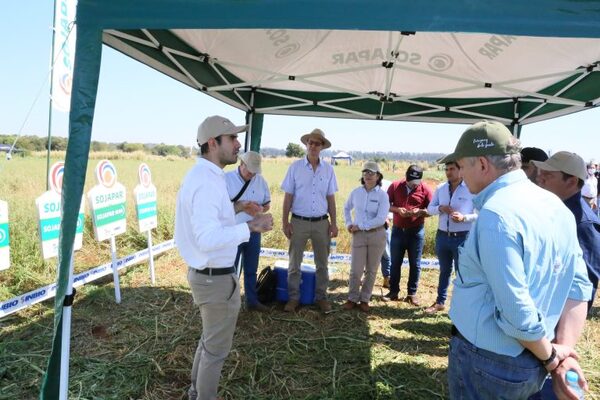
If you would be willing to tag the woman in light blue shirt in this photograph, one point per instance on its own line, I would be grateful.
(371, 206)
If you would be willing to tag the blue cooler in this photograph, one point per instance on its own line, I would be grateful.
(308, 281)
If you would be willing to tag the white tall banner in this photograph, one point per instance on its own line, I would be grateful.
(4, 236)
(64, 53)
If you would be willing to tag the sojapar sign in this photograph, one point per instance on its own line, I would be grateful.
(145, 200)
(4, 237)
(49, 207)
(107, 202)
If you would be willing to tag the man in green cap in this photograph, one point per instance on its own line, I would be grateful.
(521, 279)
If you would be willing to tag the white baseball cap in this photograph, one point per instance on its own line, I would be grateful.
(252, 160)
(216, 126)
(564, 161)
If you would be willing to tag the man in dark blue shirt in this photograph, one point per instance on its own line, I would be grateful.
(564, 174)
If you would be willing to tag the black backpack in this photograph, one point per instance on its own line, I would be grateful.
(266, 285)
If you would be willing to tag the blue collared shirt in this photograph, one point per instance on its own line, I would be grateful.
(517, 267)
(257, 191)
(588, 233)
(461, 200)
(309, 187)
(370, 208)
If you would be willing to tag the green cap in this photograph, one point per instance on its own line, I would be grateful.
(483, 138)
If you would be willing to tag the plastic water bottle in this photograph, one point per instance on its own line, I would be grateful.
(572, 381)
(332, 247)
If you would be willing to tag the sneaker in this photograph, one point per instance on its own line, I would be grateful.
(364, 307)
(291, 306)
(349, 305)
(435, 307)
(386, 282)
(390, 297)
(412, 299)
(324, 306)
(259, 307)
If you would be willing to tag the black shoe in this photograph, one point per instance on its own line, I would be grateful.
(258, 307)
(390, 297)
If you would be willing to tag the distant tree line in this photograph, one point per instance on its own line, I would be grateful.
(36, 143)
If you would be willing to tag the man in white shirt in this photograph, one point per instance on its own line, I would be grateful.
(309, 187)
(207, 238)
(246, 183)
(453, 202)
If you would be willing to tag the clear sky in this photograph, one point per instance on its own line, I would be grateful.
(138, 104)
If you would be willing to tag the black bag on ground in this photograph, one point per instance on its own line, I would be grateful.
(266, 285)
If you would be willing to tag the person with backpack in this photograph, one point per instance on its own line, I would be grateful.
(246, 184)
(371, 205)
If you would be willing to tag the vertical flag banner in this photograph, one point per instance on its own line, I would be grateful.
(48, 207)
(107, 202)
(4, 237)
(64, 53)
(145, 200)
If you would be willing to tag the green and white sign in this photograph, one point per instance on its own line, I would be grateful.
(145, 200)
(4, 237)
(49, 208)
(107, 202)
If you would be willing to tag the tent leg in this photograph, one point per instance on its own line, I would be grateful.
(66, 338)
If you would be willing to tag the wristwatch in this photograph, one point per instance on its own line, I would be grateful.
(550, 359)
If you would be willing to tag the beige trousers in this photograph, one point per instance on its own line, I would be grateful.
(367, 249)
(219, 300)
(318, 233)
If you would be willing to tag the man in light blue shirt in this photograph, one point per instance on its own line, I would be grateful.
(453, 202)
(521, 276)
(309, 187)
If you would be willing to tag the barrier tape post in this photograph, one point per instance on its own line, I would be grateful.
(113, 254)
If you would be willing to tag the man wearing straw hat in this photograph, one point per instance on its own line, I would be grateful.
(521, 279)
(207, 237)
(309, 187)
(246, 184)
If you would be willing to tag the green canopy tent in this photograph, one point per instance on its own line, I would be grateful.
(435, 61)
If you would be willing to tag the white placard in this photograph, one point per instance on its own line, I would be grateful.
(145, 200)
(107, 202)
(4, 236)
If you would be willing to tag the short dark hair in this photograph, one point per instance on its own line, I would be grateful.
(379, 179)
(452, 163)
(566, 176)
(204, 147)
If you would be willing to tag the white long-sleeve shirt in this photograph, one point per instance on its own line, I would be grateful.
(370, 208)
(206, 233)
(461, 200)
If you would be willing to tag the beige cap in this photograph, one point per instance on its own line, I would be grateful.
(252, 160)
(316, 134)
(216, 126)
(371, 166)
(564, 161)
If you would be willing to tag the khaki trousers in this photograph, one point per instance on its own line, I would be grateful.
(219, 300)
(367, 249)
(318, 233)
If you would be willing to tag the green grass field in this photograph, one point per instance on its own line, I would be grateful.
(143, 348)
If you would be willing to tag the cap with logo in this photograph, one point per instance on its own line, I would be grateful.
(370, 166)
(316, 134)
(252, 160)
(483, 138)
(216, 126)
(414, 174)
(564, 161)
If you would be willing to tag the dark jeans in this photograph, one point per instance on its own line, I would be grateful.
(446, 249)
(474, 373)
(386, 261)
(249, 251)
(404, 240)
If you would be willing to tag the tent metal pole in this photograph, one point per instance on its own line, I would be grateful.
(65, 346)
(250, 113)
